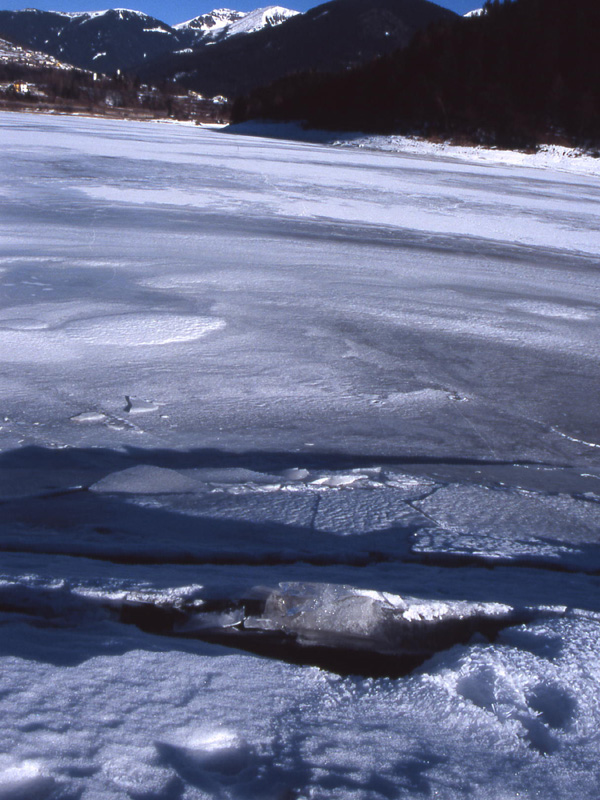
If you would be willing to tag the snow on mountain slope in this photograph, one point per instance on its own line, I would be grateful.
(223, 23)
(213, 21)
(102, 41)
(260, 18)
(121, 12)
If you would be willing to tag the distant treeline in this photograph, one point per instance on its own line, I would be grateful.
(525, 72)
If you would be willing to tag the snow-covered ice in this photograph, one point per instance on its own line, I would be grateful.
(279, 423)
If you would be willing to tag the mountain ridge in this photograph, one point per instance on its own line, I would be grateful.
(121, 38)
(329, 37)
(224, 52)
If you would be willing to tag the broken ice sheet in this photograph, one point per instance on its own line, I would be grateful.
(428, 290)
(361, 511)
(508, 524)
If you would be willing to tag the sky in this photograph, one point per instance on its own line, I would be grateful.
(173, 11)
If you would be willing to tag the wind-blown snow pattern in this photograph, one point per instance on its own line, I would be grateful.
(299, 477)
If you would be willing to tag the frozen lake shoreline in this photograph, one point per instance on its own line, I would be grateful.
(231, 363)
(555, 157)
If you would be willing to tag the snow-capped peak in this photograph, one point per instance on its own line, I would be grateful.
(224, 22)
(121, 12)
(266, 17)
(218, 18)
(477, 12)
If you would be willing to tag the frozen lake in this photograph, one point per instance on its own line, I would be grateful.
(366, 382)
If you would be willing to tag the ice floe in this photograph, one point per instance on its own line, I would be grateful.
(145, 479)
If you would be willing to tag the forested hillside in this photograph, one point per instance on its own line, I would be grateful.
(525, 71)
(332, 36)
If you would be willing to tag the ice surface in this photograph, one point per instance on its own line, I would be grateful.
(145, 480)
(363, 380)
(512, 525)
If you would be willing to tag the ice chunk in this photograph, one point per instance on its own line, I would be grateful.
(89, 416)
(136, 405)
(145, 479)
(337, 479)
(331, 615)
(295, 474)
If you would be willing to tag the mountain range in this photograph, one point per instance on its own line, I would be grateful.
(330, 37)
(225, 51)
(119, 38)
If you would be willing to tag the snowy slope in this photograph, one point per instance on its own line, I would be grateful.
(99, 40)
(260, 18)
(212, 22)
(224, 23)
(298, 469)
(120, 12)
(120, 38)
